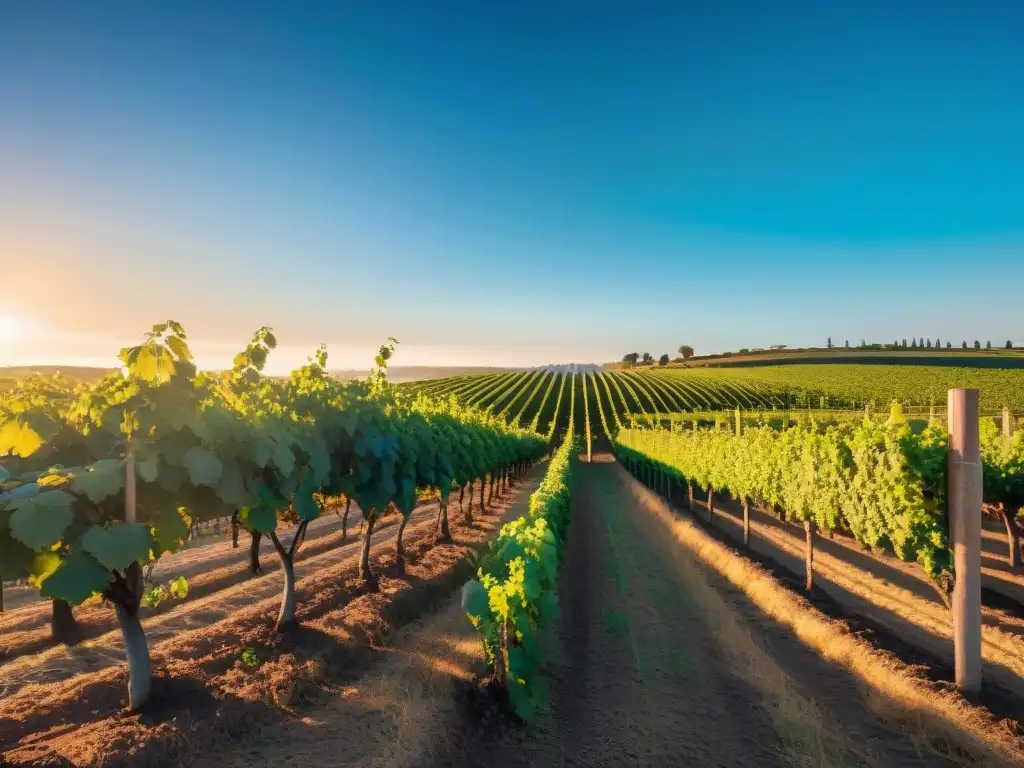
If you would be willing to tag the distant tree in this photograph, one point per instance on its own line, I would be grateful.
(863, 344)
(777, 346)
(929, 343)
(938, 343)
(647, 358)
(1009, 345)
(965, 345)
(988, 345)
(904, 343)
(913, 343)
(949, 345)
(686, 351)
(663, 360)
(847, 343)
(977, 344)
(744, 351)
(631, 358)
(830, 342)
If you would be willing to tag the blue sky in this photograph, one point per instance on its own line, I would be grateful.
(508, 185)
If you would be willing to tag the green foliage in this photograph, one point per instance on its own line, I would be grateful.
(884, 483)
(515, 584)
(155, 594)
(1002, 464)
(249, 657)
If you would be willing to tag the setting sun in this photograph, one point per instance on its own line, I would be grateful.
(10, 327)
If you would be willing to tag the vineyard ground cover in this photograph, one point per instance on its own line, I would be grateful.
(658, 664)
(204, 695)
(886, 601)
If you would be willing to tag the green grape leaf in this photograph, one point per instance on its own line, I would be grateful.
(179, 348)
(77, 578)
(105, 478)
(43, 564)
(119, 546)
(260, 518)
(15, 558)
(149, 468)
(179, 588)
(25, 435)
(168, 528)
(204, 468)
(519, 697)
(40, 520)
(145, 365)
(305, 505)
(474, 599)
(232, 490)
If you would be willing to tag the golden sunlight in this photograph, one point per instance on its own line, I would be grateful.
(10, 328)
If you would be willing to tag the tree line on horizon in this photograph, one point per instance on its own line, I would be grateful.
(923, 343)
(686, 352)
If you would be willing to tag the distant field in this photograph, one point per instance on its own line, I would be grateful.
(967, 358)
(539, 400)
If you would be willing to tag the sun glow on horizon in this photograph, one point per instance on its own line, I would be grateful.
(12, 328)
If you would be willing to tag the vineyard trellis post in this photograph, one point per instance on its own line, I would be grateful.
(1007, 422)
(965, 498)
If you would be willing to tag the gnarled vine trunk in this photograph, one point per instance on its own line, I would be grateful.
(344, 519)
(444, 532)
(254, 551)
(286, 615)
(483, 482)
(140, 668)
(365, 575)
(399, 543)
(809, 528)
(235, 525)
(469, 508)
(126, 594)
(1012, 536)
(711, 505)
(63, 627)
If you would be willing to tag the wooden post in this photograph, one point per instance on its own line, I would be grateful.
(739, 422)
(1007, 422)
(129, 487)
(965, 497)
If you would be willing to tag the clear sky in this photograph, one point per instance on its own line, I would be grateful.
(508, 183)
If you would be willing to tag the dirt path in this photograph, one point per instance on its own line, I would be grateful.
(661, 665)
(642, 681)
